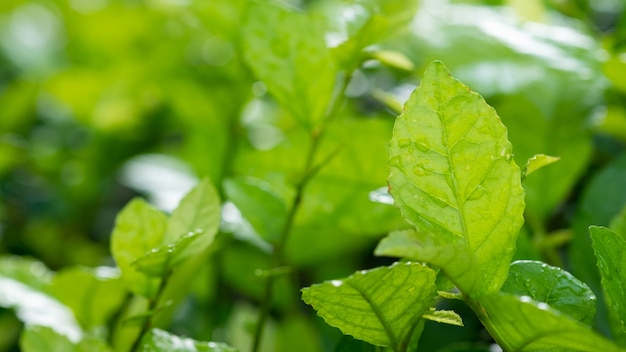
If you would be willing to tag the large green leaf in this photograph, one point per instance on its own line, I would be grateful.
(198, 212)
(95, 294)
(162, 341)
(381, 306)
(453, 177)
(284, 48)
(610, 249)
(139, 228)
(522, 324)
(554, 286)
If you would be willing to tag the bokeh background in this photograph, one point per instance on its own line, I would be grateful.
(104, 100)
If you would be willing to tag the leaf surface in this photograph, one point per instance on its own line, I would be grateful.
(160, 261)
(554, 286)
(198, 212)
(95, 294)
(453, 177)
(523, 324)
(264, 209)
(162, 341)
(610, 250)
(40, 338)
(138, 229)
(284, 48)
(381, 306)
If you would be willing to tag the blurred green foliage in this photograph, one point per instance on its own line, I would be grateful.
(103, 100)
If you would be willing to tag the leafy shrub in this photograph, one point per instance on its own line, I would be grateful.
(275, 123)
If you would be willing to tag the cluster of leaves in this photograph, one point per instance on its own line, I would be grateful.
(281, 115)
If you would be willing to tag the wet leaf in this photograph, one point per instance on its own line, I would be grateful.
(454, 179)
(381, 306)
(160, 261)
(522, 324)
(610, 250)
(554, 286)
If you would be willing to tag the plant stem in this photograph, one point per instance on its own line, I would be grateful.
(308, 172)
(487, 323)
(152, 306)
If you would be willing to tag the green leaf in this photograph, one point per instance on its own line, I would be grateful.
(453, 177)
(160, 261)
(34, 307)
(138, 229)
(283, 48)
(554, 286)
(40, 338)
(522, 324)
(199, 212)
(610, 249)
(537, 162)
(259, 204)
(393, 58)
(455, 259)
(443, 316)
(162, 341)
(381, 306)
(95, 294)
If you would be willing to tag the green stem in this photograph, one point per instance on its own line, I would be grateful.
(310, 169)
(487, 323)
(152, 306)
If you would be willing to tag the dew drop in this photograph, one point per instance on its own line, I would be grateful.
(419, 171)
(525, 299)
(422, 147)
(404, 142)
(543, 306)
(395, 161)
(336, 283)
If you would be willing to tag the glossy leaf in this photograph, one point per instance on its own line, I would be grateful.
(162, 341)
(138, 229)
(260, 205)
(199, 213)
(452, 176)
(522, 324)
(537, 162)
(610, 250)
(283, 48)
(381, 306)
(554, 286)
(95, 294)
(159, 261)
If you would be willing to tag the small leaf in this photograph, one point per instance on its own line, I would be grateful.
(522, 324)
(138, 229)
(160, 261)
(162, 341)
(453, 177)
(96, 293)
(554, 286)
(443, 316)
(618, 224)
(393, 59)
(381, 306)
(262, 207)
(537, 162)
(283, 48)
(610, 250)
(198, 212)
